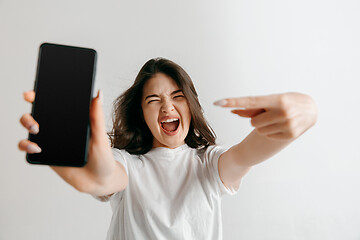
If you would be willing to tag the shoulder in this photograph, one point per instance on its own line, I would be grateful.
(120, 152)
(124, 154)
(211, 151)
(125, 158)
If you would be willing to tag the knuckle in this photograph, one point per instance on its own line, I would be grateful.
(286, 112)
(287, 137)
(259, 131)
(290, 125)
(292, 134)
(283, 101)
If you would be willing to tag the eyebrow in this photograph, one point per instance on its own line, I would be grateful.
(154, 95)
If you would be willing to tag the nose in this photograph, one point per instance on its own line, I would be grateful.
(167, 107)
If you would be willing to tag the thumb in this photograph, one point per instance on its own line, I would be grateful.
(248, 112)
(97, 119)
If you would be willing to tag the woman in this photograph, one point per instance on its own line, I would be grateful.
(164, 175)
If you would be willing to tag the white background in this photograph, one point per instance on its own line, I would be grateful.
(310, 190)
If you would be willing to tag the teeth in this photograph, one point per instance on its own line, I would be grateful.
(170, 120)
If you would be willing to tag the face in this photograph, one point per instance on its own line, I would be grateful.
(166, 111)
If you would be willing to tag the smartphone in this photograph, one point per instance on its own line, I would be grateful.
(63, 93)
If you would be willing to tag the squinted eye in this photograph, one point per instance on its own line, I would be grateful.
(179, 96)
(153, 101)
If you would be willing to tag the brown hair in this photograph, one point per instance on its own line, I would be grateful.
(130, 131)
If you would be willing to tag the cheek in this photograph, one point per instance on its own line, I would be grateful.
(150, 117)
(187, 115)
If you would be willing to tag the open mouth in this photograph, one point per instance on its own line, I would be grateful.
(170, 125)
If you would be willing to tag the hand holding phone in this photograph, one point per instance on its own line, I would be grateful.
(101, 175)
(63, 86)
(92, 178)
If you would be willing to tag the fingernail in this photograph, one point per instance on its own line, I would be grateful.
(33, 148)
(101, 96)
(222, 102)
(34, 129)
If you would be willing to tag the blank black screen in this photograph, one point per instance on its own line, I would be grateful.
(63, 87)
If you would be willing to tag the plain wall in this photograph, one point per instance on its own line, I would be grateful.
(310, 190)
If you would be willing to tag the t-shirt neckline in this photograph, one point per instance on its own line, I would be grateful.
(168, 150)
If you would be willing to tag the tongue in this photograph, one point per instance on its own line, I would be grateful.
(171, 126)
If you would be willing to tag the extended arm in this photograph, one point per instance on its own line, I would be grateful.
(278, 120)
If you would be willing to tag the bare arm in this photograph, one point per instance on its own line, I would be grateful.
(254, 149)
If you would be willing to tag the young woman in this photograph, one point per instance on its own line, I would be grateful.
(163, 173)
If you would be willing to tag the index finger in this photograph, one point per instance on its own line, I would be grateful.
(268, 101)
(29, 96)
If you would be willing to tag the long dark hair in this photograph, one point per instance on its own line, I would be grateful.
(130, 131)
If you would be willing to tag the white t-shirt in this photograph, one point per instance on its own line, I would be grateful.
(171, 194)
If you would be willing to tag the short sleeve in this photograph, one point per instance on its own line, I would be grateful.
(120, 157)
(212, 155)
